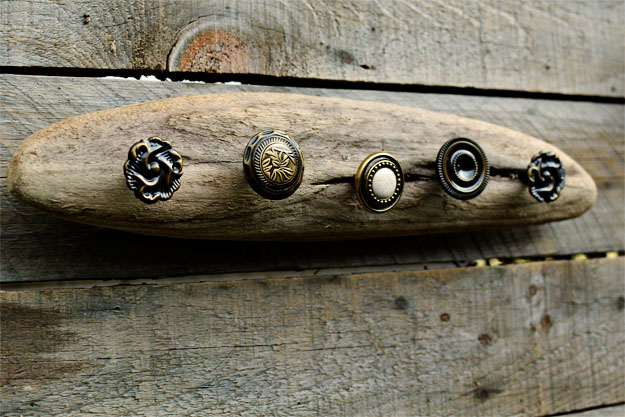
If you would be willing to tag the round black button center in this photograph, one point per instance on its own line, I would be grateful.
(464, 165)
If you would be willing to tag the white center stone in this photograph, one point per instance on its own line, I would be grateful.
(384, 183)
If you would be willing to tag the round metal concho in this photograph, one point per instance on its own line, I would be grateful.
(379, 182)
(273, 164)
(546, 176)
(462, 168)
(153, 170)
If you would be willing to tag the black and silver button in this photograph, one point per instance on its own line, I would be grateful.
(462, 168)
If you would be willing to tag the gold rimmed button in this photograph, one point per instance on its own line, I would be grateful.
(379, 182)
(273, 164)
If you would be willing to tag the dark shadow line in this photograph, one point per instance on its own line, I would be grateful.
(290, 272)
(582, 410)
(271, 80)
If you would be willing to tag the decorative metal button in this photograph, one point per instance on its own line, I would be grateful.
(153, 170)
(273, 164)
(379, 182)
(546, 176)
(462, 168)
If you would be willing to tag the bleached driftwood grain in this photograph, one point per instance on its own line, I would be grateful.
(73, 169)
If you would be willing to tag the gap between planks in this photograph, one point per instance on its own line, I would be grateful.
(269, 275)
(299, 82)
(604, 410)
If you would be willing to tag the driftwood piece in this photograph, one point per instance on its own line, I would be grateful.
(573, 46)
(532, 339)
(72, 169)
(39, 247)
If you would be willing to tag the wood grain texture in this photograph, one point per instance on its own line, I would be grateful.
(573, 46)
(532, 339)
(38, 247)
(73, 169)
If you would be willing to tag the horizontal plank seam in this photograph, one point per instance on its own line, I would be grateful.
(248, 276)
(270, 80)
(583, 410)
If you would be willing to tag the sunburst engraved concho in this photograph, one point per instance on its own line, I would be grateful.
(273, 164)
(153, 170)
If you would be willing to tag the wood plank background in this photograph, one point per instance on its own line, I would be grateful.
(92, 323)
(530, 339)
(572, 46)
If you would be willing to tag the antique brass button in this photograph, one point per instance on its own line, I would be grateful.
(273, 164)
(153, 170)
(379, 182)
(546, 176)
(462, 168)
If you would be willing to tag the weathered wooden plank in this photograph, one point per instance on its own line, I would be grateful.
(73, 169)
(571, 46)
(614, 411)
(529, 339)
(35, 246)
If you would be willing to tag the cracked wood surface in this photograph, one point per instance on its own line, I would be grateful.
(38, 247)
(573, 47)
(525, 340)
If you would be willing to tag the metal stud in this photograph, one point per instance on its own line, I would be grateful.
(273, 164)
(379, 182)
(462, 168)
(545, 174)
(153, 170)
